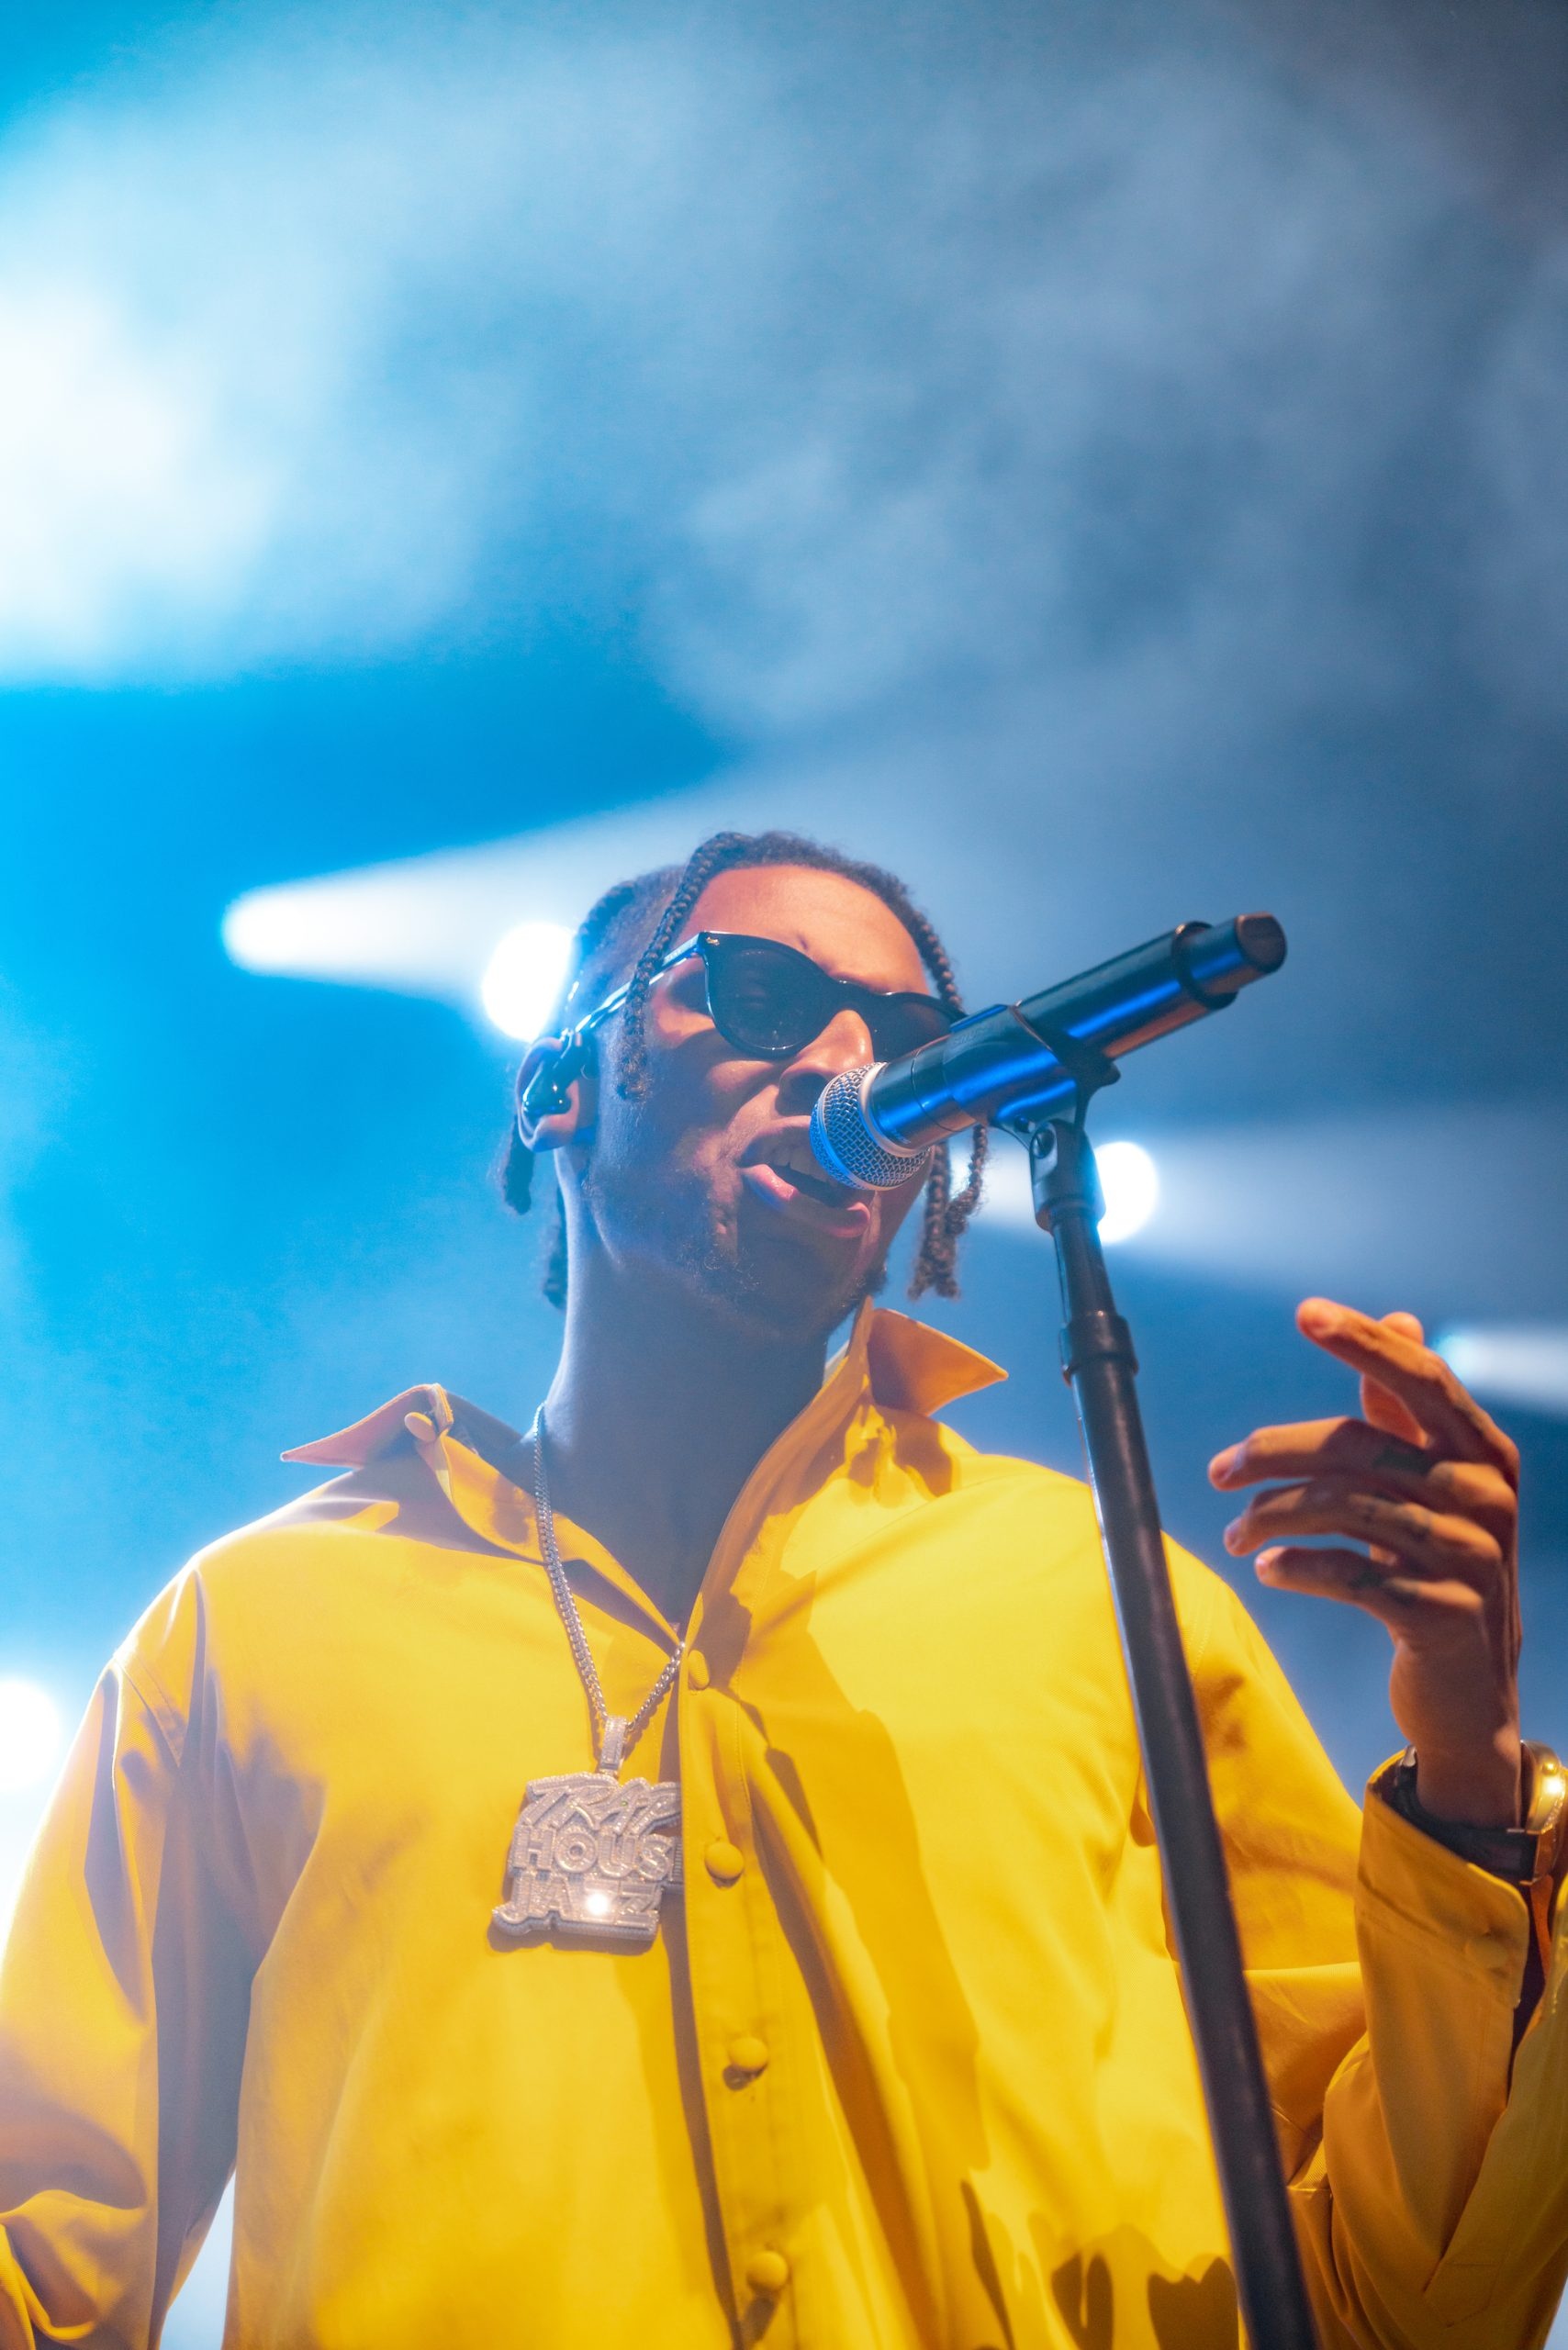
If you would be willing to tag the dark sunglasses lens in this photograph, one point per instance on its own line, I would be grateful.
(904, 1027)
(765, 999)
(770, 1000)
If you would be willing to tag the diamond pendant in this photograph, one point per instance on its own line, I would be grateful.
(591, 1857)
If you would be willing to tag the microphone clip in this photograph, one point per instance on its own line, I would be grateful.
(1090, 1070)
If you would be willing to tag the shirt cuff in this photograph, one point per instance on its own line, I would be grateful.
(1417, 1886)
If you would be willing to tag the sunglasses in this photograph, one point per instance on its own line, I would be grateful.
(769, 1001)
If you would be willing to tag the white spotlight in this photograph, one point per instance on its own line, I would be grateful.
(29, 1735)
(1521, 1363)
(1131, 1186)
(259, 935)
(524, 976)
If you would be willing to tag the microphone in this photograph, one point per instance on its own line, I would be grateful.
(875, 1127)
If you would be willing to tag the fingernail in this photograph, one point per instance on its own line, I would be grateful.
(1223, 1463)
(1265, 1563)
(1234, 1538)
(1316, 1320)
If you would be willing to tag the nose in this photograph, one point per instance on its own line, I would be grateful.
(842, 1044)
(845, 1043)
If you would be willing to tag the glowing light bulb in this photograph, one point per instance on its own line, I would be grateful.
(1131, 1186)
(30, 1735)
(524, 976)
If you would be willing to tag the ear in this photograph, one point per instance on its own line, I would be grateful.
(555, 1090)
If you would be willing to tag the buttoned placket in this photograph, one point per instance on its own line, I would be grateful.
(734, 1945)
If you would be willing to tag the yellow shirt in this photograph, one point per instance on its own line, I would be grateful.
(907, 2066)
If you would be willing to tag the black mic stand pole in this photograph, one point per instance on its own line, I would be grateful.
(1101, 1366)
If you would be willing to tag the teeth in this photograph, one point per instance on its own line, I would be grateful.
(819, 1186)
(798, 1166)
(805, 1175)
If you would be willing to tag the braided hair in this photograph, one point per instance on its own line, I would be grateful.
(637, 922)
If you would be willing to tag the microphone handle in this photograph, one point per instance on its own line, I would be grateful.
(1003, 1064)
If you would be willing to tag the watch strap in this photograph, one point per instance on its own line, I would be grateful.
(1520, 1855)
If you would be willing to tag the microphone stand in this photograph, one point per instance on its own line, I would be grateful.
(1101, 1366)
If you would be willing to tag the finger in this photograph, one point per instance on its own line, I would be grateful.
(1406, 1604)
(1386, 1464)
(1340, 1446)
(1445, 1414)
(1379, 1405)
(1433, 1542)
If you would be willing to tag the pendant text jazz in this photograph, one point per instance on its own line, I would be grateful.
(591, 1859)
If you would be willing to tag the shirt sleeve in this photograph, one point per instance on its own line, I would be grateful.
(124, 1987)
(1429, 2163)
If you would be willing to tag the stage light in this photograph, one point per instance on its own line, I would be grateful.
(266, 931)
(524, 976)
(1131, 1186)
(1515, 1362)
(29, 1735)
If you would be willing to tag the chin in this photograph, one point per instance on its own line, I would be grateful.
(772, 1284)
(787, 1293)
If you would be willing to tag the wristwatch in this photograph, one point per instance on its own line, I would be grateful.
(1520, 1855)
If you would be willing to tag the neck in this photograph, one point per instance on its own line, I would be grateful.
(659, 1411)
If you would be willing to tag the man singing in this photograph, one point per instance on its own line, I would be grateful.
(681, 1877)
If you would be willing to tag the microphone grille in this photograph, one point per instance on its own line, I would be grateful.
(848, 1145)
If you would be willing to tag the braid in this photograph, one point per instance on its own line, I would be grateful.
(711, 857)
(605, 940)
(946, 1215)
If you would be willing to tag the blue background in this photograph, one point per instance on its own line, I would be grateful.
(1126, 445)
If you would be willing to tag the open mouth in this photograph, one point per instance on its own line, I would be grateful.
(785, 1177)
(815, 1185)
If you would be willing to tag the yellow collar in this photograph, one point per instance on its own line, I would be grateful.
(897, 1364)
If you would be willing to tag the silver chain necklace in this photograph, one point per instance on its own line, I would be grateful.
(591, 1857)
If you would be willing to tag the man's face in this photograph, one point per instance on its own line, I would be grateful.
(709, 1174)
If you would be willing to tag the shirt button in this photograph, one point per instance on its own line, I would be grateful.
(420, 1426)
(725, 1862)
(697, 1670)
(768, 2272)
(748, 2053)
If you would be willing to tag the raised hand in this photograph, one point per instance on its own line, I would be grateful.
(1430, 1484)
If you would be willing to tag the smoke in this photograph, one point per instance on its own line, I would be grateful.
(868, 365)
(283, 333)
(1525, 583)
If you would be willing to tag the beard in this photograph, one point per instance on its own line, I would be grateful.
(665, 1215)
